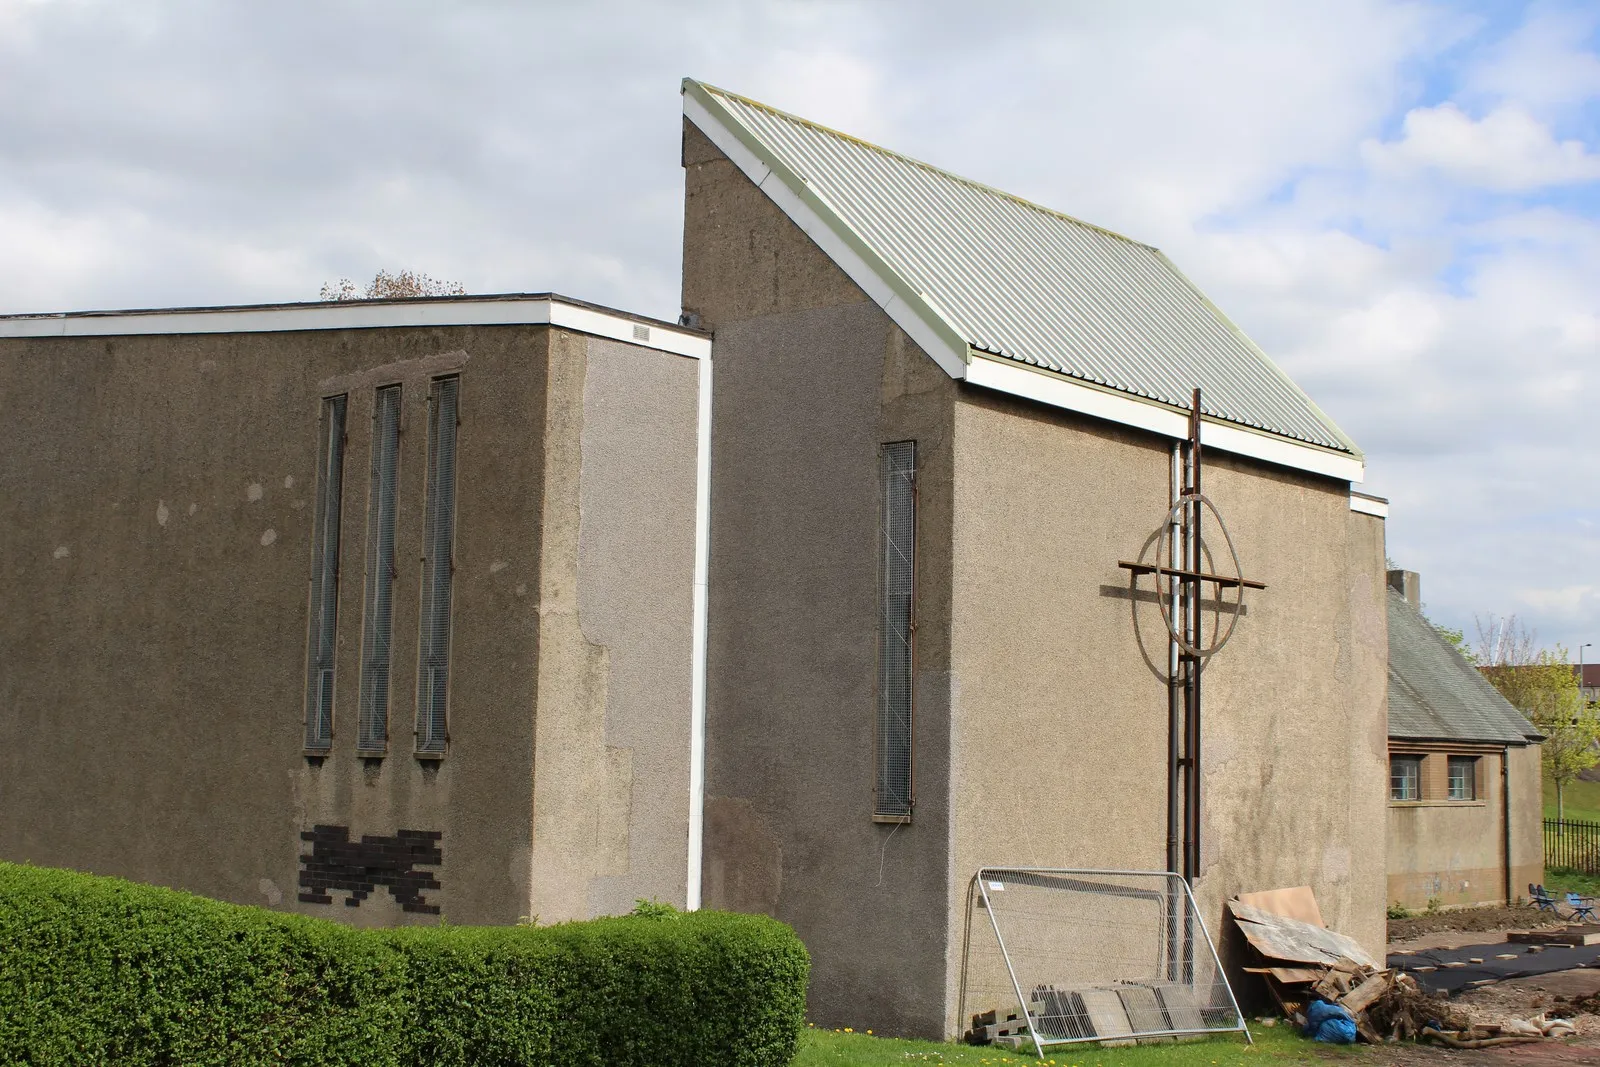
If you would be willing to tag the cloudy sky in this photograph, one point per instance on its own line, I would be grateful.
(1399, 201)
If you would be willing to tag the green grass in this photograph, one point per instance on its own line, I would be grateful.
(1566, 880)
(1275, 1045)
(1582, 800)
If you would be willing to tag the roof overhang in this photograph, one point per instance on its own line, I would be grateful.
(916, 314)
(520, 309)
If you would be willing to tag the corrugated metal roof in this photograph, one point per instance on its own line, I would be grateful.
(1436, 695)
(1036, 286)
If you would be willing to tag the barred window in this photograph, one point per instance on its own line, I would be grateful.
(379, 599)
(325, 577)
(1463, 779)
(437, 566)
(897, 474)
(1405, 777)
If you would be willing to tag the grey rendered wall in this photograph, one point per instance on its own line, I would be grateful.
(156, 498)
(1051, 649)
(811, 379)
(611, 792)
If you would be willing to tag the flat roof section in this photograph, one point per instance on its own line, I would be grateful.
(501, 309)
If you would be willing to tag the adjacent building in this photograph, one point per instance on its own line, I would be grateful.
(1465, 785)
(378, 610)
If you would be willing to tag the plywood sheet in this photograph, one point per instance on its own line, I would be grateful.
(1293, 941)
(1298, 902)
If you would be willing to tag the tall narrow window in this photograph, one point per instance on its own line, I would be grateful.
(437, 566)
(1405, 777)
(379, 604)
(898, 475)
(325, 577)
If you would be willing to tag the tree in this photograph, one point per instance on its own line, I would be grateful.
(1541, 684)
(386, 286)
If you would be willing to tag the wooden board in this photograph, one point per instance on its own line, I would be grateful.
(1278, 937)
(1289, 975)
(1573, 936)
(1295, 903)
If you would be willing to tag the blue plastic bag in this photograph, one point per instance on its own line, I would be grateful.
(1330, 1023)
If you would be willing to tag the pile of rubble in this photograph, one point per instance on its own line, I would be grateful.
(1302, 962)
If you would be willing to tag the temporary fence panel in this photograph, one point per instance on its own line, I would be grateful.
(1062, 956)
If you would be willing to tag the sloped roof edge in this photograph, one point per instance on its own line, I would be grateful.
(919, 316)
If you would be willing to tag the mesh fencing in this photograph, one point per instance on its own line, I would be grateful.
(1059, 956)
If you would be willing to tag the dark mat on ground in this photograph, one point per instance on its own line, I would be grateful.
(1447, 981)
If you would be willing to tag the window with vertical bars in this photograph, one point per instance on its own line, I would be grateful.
(325, 577)
(376, 632)
(1463, 780)
(438, 541)
(898, 477)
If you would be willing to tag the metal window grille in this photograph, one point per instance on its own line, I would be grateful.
(377, 630)
(1463, 778)
(898, 475)
(1405, 778)
(437, 565)
(1061, 956)
(325, 577)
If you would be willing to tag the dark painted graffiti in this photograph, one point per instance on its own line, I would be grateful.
(360, 867)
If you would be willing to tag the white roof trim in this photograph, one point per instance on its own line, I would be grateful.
(1060, 391)
(1369, 505)
(357, 315)
(874, 278)
(927, 327)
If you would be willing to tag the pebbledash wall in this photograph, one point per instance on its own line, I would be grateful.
(158, 497)
(1039, 733)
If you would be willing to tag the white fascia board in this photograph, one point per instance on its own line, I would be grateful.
(618, 328)
(1062, 392)
(358, 315)
(876, 279)
(1369, 505)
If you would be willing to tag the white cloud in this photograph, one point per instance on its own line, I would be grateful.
(167, 153)
(1506, 150)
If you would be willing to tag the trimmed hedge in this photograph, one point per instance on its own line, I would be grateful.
(98, 970)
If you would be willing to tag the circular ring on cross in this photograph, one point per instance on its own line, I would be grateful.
(1162, 540)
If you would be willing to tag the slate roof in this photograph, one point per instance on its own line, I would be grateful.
(1029, 284)
(1436, 695)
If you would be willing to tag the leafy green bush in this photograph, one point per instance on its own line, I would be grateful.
(95, 970)
(98, 970)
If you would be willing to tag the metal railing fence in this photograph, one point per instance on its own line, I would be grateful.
(1572, 844)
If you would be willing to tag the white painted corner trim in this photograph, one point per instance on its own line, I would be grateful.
(1059, 391)
(697, 673)
(358, 315)
(1369, 505)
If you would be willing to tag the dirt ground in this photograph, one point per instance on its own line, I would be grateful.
(1517, 998)
(1469, 920)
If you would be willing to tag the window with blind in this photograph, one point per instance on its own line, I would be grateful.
(1463, 778)
(898, 484)
(325, 577)
(437, 566)
(376, 630)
